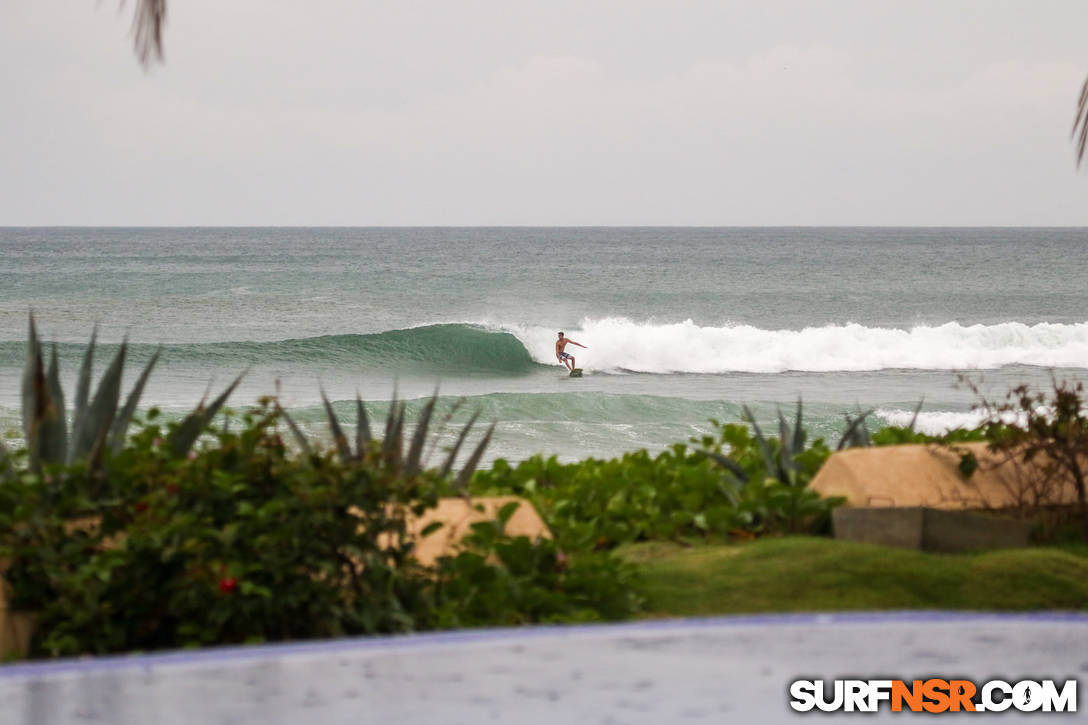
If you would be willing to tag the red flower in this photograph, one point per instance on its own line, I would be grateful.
(227, 586)
(140, 506)
(171, 488)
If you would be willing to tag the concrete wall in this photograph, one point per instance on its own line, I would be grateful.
(929, 529)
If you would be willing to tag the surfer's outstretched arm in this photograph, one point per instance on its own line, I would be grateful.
(572, 342)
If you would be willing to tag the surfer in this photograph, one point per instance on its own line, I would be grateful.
(565, 356)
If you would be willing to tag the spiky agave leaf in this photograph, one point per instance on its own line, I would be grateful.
(785, 448)
(390, 420)
(93, 431)
(299, 438)
(182, 438)
(120, 426)
(53, 428)
(769, 464)
(863, 431)
(728, 463)
(798, 431)
(392, 444)
(731, 487)
(337, 432)
(917, 410)
(442, 425)
(5, 464)
(83, 388)
(30, 371)
(448, 465)
(852, 436)
(397, 447)
(362, 428)
(43, 405)
(415, 451)
(34, 408)
(474, 460)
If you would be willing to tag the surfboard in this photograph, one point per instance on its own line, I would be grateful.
(576, 373)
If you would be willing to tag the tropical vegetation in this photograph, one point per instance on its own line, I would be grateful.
(736, 484)
(213, 530)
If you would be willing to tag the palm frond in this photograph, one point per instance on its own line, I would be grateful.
(1080, 124)
(147, 24)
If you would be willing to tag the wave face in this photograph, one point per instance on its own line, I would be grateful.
(618, 344)
(433, 348)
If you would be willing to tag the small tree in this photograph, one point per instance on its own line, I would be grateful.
(1045, 430)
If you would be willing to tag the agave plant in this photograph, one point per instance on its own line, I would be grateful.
(856, 434)
(390, 449)
(98, 424)
(778, 461)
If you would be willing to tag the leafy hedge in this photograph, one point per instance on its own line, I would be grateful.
(243, 540)
(681, 494)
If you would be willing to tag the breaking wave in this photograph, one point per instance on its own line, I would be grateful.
(618, 344)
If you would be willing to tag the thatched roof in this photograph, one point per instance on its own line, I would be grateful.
(929, 475)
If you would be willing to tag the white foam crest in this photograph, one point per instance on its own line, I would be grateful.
(939, 422)
(932, 423)
(617, 344)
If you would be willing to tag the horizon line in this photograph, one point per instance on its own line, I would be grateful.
(543, 226)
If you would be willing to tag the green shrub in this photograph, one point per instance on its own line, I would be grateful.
(501, 579)
(770, 476)
(900, 435)
(735, 484)
(600, 503)
(243, 540)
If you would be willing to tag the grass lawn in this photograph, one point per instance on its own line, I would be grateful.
(816, 574)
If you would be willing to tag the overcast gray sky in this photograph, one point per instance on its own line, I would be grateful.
(434, 112)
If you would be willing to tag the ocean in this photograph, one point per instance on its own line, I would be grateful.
(682, 324)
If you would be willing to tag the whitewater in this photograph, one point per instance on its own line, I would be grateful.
(623, 345)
